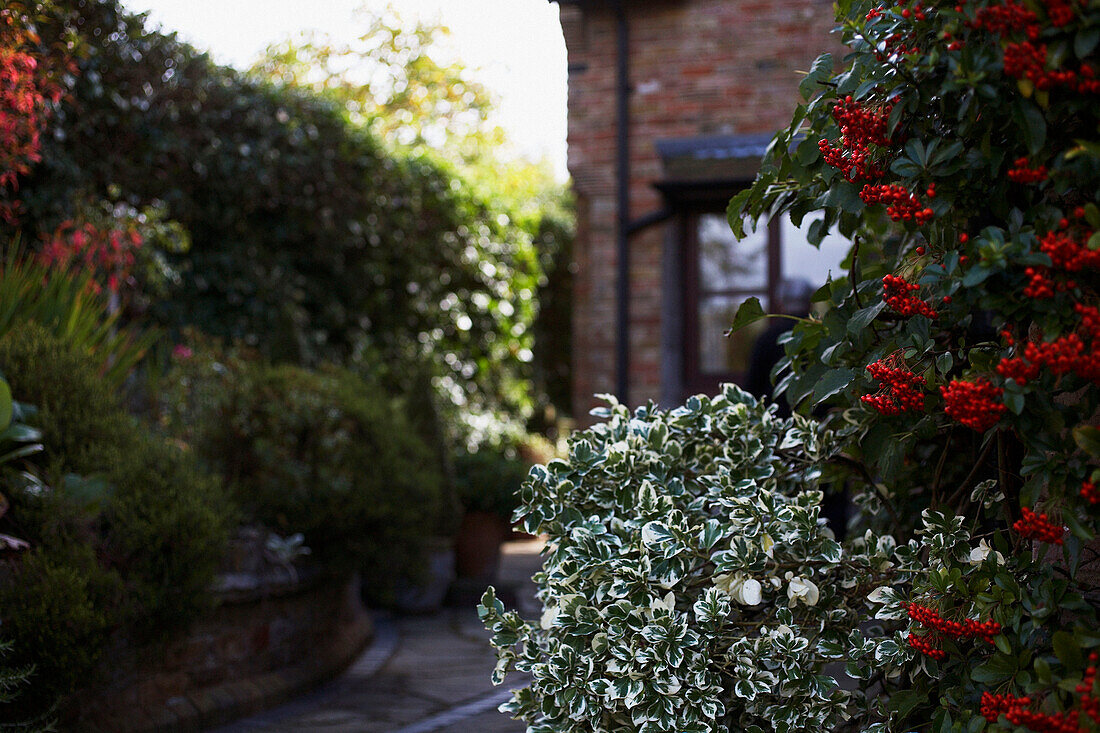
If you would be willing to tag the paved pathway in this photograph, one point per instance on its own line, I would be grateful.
(421, 674)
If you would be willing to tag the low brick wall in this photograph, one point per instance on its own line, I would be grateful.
(267, 640)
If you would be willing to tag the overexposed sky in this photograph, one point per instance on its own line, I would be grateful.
(514, 46)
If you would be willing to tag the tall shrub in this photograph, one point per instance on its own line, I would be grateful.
(125, 531)
(957, 145)
(309, 238)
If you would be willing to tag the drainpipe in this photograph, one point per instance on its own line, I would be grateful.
(622, 102)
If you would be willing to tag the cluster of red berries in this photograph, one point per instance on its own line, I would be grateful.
(860, 128)
(1022, 172)
(1090, 704)
(976, 404)
(1090, 319)
(1038, 527)
(1060, 12)
(898, 294)
(1028, 60)
(940, 628)
(902, 390)
(926, 645)
(1069, 253)
(901, 205)
(1089, 492)
(875, 12)
(1039, 285)
(917, 13)
(1068, 354)
(1061, 355)
(966, 629)
(1018, 370)
(1001, 20)
(1015, 709)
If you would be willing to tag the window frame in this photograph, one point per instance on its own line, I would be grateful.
(694, 379)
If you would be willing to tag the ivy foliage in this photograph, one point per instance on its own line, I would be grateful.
(689, 583)
(957, 146)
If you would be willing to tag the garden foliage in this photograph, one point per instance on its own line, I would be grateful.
(338, 248)
(690, 583)
(125, 531)
(328, 454)
(957, 145)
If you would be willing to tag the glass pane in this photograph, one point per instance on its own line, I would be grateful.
(803, 261)
(719, 354)
(725, 263)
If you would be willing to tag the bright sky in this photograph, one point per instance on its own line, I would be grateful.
(515, 46)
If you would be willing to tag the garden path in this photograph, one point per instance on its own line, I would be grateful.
(421, 674)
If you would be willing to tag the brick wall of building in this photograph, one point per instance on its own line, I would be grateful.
(697, 67)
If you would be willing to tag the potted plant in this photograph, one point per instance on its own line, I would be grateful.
(487, 482)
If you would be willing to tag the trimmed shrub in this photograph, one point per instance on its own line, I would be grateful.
(60, 606)
(489, 481)
(127, 532)
(327, 454)
(690, 583)
(83, 426)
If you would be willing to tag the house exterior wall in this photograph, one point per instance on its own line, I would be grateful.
(697, 67)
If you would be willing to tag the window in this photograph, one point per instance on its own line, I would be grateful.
(721, 273)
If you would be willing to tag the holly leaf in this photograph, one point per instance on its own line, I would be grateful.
(749, 312)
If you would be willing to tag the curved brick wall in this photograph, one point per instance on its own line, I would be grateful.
(266, 641)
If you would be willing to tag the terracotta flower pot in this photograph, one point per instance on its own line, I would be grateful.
(477, 545)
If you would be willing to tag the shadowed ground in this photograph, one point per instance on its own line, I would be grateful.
(421, 674)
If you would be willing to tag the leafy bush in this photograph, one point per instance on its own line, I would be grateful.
(126, 531)
(60, 608)
(310, 239)
(489, 481)
(66, 306)
(963, 346)
(690, 583)
(326, 454)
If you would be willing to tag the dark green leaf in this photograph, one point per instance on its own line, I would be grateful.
(904, 701)
(5, 404)
(1088, 439)
(1085, 41)
(734, 212)
(1033, 124)
(863, 318)
(834, 381)
(749, 312)
(1067, 649)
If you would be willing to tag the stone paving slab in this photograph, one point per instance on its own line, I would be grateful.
(423, 674)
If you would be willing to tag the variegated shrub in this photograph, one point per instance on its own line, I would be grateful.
(689, 582)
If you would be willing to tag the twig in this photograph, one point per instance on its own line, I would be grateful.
(939, 469)
(853, 463)
(960, 492)
(852, 271)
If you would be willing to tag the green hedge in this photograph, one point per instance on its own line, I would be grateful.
(310, 240)
(327, 454)
(126, 531)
